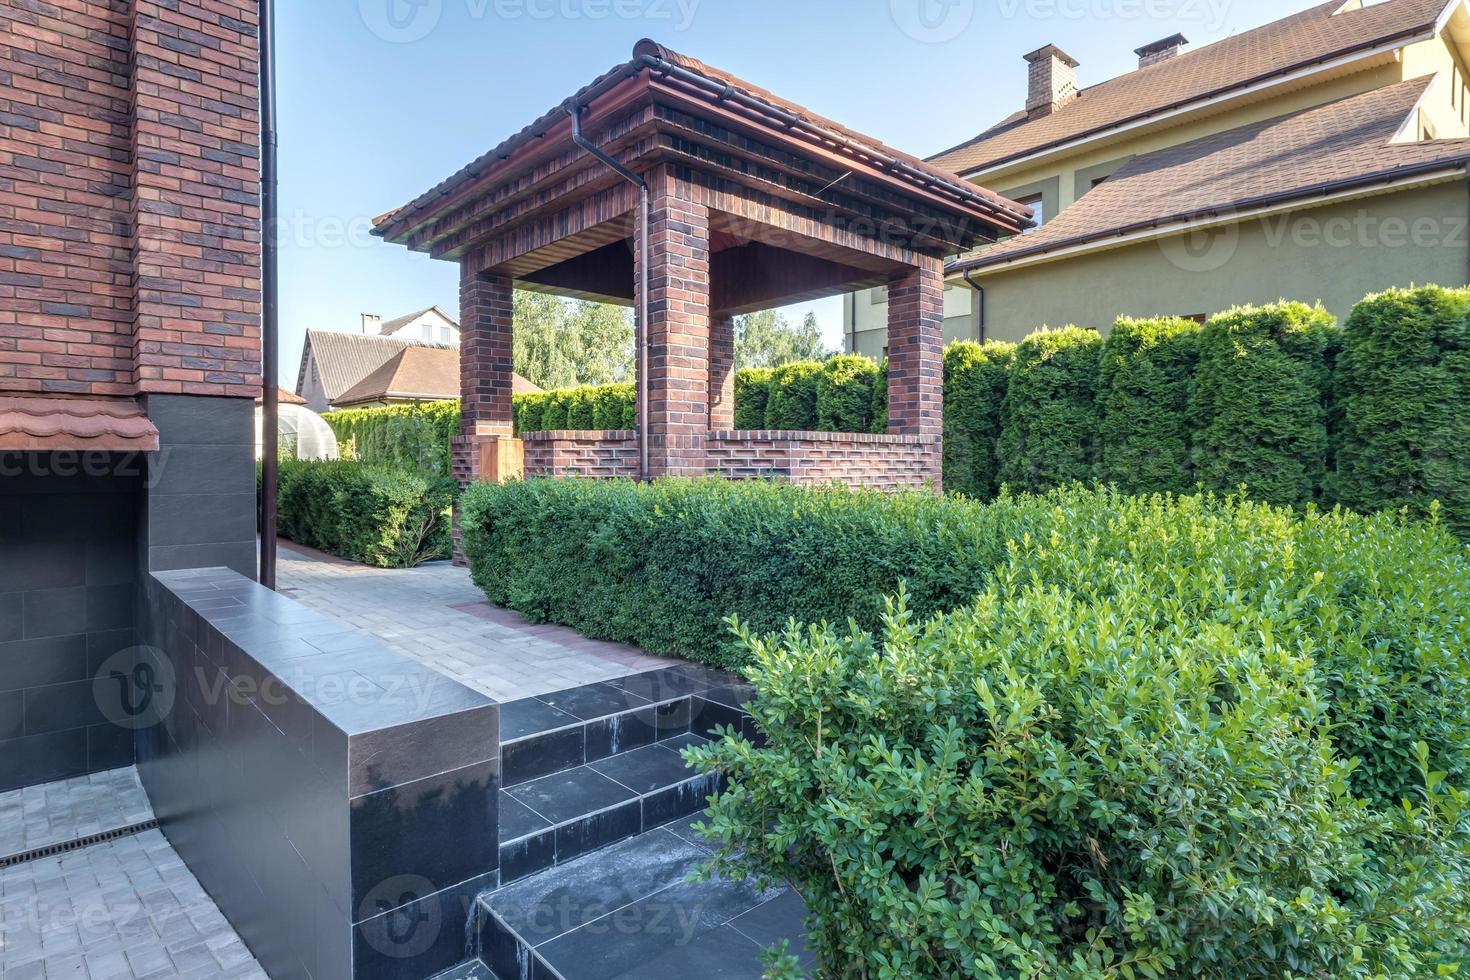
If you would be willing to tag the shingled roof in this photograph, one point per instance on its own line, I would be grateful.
(344, 359)
(1341, 145)
(1279, 48)
(417, 374)
(51, 423)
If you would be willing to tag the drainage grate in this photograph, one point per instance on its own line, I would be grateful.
(52, 850)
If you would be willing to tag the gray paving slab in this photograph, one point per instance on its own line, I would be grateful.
(68, 810)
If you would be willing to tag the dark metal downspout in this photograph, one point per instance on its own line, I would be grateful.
(979, 303)
(640, 333)
(270, 299)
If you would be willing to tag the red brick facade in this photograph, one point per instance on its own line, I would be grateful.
(129, 198)
(722, 371)
(884, 462)
(599, 454)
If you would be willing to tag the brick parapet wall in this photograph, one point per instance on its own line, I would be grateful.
(129, 212)
(885, 462)
(600, 454)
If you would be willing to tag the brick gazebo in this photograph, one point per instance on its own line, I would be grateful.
(749, 202)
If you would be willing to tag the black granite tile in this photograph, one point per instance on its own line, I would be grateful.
(518, 820)
(12, 611)
(526, 856)
(779, 918)
(110, 607)
(58, 560)
(666, 805)
(58, 707)
(12, 715)
(442, 828)
(706, 716)
(109, 747)
(598, 830)
(683, 828)
(529, 716)
(645, 770)
(675, 717)
(54, 612)
(722, 953)
(540, 755)
(53, 660)
(621, 733)
(564, 796)
(418, 939)
(391, 756)
(594, 700)
(104, 644)
(42, 758)
(502, 950)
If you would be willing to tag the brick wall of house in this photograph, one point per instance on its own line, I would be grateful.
(129, 197)
(884, 462)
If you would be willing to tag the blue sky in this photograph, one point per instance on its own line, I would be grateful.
(380, 99)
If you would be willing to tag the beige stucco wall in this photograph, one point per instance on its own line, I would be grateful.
(1336, 254)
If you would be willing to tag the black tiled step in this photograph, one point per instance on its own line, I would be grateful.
(630, 911)
(557, 817)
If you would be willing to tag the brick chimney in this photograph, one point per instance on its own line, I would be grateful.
(371, 324)
(1163, 50)
(1051, 81)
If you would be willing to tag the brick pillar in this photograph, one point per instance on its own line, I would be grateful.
(486, 363)
(916, 357)
(678, 331)
(196, 199)
(722, 372)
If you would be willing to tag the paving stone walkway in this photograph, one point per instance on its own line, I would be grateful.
(436, 615)
(125, 910)
(71, 809)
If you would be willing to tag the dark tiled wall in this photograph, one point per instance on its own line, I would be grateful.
(68, 588)
(336, 799)
(200, 510)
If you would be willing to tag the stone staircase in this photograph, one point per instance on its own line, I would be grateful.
(596, 846)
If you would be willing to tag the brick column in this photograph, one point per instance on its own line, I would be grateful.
(916, 356)
(722, 372)
(486, 363)
(196, 198)
(678, 331)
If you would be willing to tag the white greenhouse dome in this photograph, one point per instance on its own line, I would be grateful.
(302, 430)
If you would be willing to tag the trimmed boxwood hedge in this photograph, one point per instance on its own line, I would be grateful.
(1258, 404)
(1049, 435)
(411, 437)
(1144, 379)
(376, 515)
(1170, 737)
(1403, 392)
(976, 377)
(880, 399)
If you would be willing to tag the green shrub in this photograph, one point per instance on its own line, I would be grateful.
(880, 399)
(581, 408)
(792, 403)
(1403, 391)
(1170, 738)
(412, 437)
(1147, 368)
(615, 407)
(1049, 428)
(371, 514)
(528, 410)
(1258, 405)
(975, 380)
(845, 394)
(554, 412)
(752, 390)
(662, 565)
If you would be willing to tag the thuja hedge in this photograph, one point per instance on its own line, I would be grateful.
(976, 377)
(1144, 379)
(611, 406)
(845, 394)
(752, 390)
(411, 437)
(1168, 737)
(1402, 390)
(377, 515)
(1049, 430)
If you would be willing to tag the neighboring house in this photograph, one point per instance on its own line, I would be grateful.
(341, 370)
(1319, 157)
(432, 326)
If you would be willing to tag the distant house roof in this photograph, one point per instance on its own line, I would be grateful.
(343, 360)
(1335, 147)
(397, 323)
(54, 423)
(284, 397)
(417, 373)
(1293, 43)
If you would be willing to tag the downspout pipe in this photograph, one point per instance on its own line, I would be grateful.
(269, 300)
(574, 109)
(979, 303)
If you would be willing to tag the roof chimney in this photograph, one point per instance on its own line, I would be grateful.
(1163, 50)
(371, 323)
(1051, 81)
